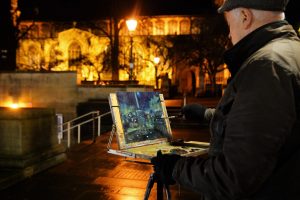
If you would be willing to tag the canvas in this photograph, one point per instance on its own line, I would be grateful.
(143, 127)
(142, 116)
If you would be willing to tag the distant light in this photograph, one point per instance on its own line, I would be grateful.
(14, 106)
(156, 60)
(131, 24)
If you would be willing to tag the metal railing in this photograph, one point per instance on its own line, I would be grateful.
(70, 126)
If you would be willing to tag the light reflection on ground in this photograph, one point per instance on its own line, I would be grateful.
(91, 173)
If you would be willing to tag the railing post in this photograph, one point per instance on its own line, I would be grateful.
(59, 127)
(184, 99)
(78, 134)
(99, 123)
(69, 133)
(94, 135)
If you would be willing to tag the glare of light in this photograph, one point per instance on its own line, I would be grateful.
(14, 105)
(156, 60)
(131, 24)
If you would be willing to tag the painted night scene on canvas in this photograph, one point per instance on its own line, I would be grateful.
(142, 116)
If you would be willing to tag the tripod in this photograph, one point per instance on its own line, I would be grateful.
(159, 187)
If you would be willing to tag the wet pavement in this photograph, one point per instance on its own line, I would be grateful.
(91, 173)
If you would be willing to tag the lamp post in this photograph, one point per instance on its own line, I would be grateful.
(156, 61)
(131, 25)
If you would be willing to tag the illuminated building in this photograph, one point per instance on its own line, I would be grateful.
(84, 47)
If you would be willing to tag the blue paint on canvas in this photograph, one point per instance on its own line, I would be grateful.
(142, 116)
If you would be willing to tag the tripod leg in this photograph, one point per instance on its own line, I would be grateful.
(149, 186)
(160, 189)
(168, 193)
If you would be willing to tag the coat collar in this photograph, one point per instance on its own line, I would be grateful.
(236, 56)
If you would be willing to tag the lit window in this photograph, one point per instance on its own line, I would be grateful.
(159, 25)
(172, 27)
(33, 58)
(53, 58)
(74, 56)
(184, 27)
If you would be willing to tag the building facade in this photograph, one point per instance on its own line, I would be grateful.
(84, 47)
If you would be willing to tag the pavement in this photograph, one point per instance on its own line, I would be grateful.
(90, 173)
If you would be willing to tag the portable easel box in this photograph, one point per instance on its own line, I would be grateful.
(142, 127)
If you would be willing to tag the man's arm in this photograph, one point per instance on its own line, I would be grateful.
(260, 120)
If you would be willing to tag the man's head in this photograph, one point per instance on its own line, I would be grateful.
(244, 16)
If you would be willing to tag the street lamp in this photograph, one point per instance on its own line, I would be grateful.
(131, 25)
(156, 61)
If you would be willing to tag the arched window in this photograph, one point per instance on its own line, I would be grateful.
(184, 27)
(53, 61)
(33, 58)
(150, 28)
(160, 26)
(172, 27)
(74, 53)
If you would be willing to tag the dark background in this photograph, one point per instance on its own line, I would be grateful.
(66, 10)
(94, 9)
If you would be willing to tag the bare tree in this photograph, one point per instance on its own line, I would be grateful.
(118, 10)
(204, 49)
(10, 34)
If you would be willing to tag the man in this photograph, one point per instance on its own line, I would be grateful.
(255, 129)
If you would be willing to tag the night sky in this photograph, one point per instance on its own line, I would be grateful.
(94, 9)
(66, 10)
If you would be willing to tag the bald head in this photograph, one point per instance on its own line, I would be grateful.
(242, 21)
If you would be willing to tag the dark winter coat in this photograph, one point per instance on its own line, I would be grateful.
(255, 141)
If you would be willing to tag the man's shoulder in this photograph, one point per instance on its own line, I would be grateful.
(283, 52)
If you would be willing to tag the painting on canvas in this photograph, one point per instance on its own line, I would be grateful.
(142, 116)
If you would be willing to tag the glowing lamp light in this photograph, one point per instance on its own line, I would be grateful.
(14, 105)
(156, 60)
(131, 24)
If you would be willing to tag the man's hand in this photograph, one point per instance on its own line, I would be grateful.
(164, 165)
(195, 112)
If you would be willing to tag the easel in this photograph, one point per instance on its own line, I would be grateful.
(160, 187)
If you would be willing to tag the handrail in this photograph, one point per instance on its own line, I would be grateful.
(84, 115)
(68, 126)
(74, 126)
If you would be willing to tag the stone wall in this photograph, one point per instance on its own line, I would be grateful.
(37, 89)
(28, 136)
(58, 90)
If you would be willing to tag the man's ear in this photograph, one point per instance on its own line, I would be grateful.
(247, 18)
